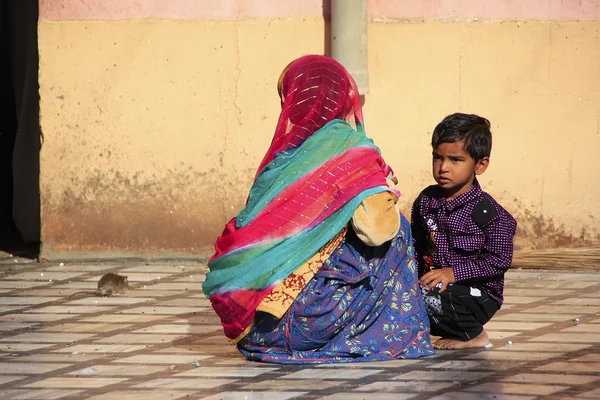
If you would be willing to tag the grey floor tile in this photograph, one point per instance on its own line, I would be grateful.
(582, 328)
(123, 318)
(293, 384)
(580, 301)
(72, 310)
(542, 346)
(405, 386)
(480, 396)
(517, 356)
(227, 372)
(5, 309)
(183, 383)
(496, 335)
(143, 395)
(523, 316)
(74, 382)
(557, 379)
(591, 338)
(45, 276)
(162, 359)
(595, 358)
(460, 376)
(570, 366)
(140, 338)
(118, 370)
(517, 388)
(164, 310)
(590, 394)
(43, 337)
(343, 374)
(363, 396)
(10, 378)
(82, 328)
(38, 394)
(252, 395)
(515, 326)
(13, 326)
(20, 368)
(179, 328)
(571, 309)
(59, 357)
(162, 339)
(21, 284)
(36, 317)
(23, 347)
(18, 301)
(101, 348)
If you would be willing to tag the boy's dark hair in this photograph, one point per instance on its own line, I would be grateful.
(470, 128)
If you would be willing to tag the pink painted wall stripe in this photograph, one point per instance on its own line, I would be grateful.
(378, 9)
(176, 9)
(486, 9)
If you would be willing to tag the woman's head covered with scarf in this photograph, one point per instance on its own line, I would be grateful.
(314, 90)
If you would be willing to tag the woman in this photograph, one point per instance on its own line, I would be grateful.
(319, 266)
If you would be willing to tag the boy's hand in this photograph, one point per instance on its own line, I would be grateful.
(445, 276)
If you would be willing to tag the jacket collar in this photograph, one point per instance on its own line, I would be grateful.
(440, 201)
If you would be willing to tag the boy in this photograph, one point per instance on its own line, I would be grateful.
(463, 238)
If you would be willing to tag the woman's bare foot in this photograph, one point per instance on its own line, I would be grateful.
(481, 340)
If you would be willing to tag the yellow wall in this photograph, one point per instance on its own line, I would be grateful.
(153, 128)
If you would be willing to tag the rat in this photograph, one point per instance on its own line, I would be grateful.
(108, 285)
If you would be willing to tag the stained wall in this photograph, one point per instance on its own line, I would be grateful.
(156, 113)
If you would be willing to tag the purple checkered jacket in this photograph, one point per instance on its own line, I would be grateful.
(471, 233)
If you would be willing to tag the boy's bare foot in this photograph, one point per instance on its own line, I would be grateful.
(481, 340)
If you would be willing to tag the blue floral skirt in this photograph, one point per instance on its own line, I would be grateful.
(364, 304)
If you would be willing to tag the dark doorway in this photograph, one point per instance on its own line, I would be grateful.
(20, 133)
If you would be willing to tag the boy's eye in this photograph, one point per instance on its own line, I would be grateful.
(454, 159)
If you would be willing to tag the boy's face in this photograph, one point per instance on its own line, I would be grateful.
(454, 169)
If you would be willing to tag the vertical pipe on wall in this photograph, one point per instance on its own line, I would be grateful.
(349, 39)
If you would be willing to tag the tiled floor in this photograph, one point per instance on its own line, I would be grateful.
(161, 340)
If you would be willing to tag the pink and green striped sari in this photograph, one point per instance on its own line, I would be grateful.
(315, 174)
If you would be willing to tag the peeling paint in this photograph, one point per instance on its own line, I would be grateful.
(538, 231)
(180, 214)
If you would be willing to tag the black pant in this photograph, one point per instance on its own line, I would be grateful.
(459, 312)
(20, 135)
